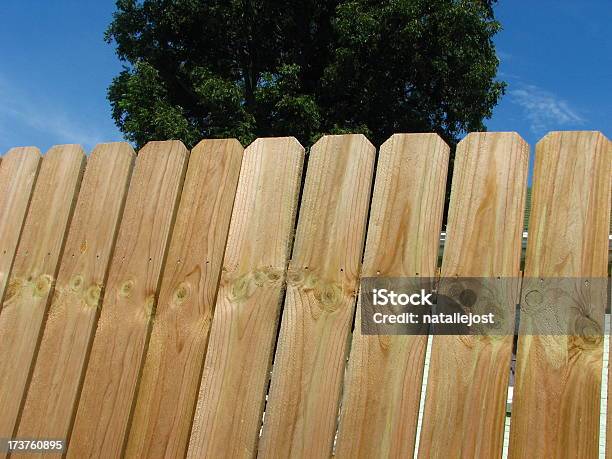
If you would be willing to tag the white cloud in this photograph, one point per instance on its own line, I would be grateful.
(544, 110)
(18, 111)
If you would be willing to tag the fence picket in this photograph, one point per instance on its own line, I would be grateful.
(103, 412)
(237, 365)
(557, 391)
(140, 312)
(171, 375)
(49, 407)
(18, 171)
(33, 275)
(383, 384)
(468, 376)
(323, 274)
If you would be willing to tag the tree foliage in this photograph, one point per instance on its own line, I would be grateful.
(249, 68)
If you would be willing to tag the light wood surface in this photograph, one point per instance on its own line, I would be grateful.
(33, 276)
(468, 376)
(102, 418)
(51, 400)
(558, 382)
(382, 388)
(302, 409)
(171, 375)
(88, 352)
(236, 371)
(18, 171)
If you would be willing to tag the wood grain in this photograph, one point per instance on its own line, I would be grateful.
(51, 400)
(236, 370)
(173, 367)
(102, 418)
(33, 275)
(302, 408)
(382, 388)
(557, 390)
(468, 375)
(18, 171)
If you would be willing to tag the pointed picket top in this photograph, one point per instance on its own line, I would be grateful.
(206, 144)
(68, 150)
(30, 151)
(115, 149)
(431, 137)
(291, 143)
(337, 140)
(595, 136)
(164, 147)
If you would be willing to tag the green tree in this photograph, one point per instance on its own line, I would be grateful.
(249, 68)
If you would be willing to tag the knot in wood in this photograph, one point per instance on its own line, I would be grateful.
(302, 278)
(272, 275)
(588, 333)
(454, 290)
(182, 292)
(76, 283)
(533, 301)
(92, 295)
(467, 298)
(43, 284)
(126, 288)
(244, 286)
(329, 295)
(295, 276)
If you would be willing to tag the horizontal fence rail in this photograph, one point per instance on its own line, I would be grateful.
(207, 303)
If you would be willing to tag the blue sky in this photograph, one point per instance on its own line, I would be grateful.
(556, 57)
(55, 68)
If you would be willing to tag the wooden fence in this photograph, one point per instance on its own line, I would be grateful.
(160, 305)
